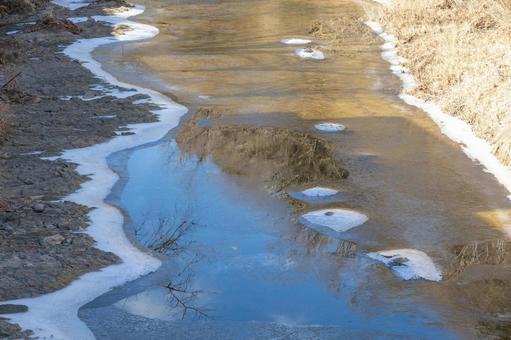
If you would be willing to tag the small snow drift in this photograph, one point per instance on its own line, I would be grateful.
(310, 53)
(336, 219)
(330, 127)
(408, 264)
(296, 41)
(319, 192)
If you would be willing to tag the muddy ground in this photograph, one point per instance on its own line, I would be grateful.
(37, 233)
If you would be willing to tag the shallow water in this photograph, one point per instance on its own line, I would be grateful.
(256, 271)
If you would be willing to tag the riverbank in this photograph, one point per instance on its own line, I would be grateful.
(51, 103)
(459, 54)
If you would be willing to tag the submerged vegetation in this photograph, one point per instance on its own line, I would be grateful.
(459, 51)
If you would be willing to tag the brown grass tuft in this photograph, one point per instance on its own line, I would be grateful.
(491, 252)
(4, 122)
(460, 53)
(16, 7)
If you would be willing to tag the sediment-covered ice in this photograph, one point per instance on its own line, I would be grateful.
(296, 41)
(336, 219)
(330, 127)
(409, 264)
(310, 53)
(319, 192)
(457, 130)
(54, 315)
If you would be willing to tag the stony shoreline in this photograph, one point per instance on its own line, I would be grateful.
(37, 233)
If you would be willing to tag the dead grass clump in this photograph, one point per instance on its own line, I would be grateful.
(8, 51)
(336, 33)
(488, 253)
(460, 53)
(51, 22)
(279, 156)
(5, 123)
(16, 7)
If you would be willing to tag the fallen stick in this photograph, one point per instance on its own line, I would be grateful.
(10, 80)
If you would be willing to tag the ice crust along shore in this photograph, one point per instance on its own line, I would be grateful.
(409, 264)
(54, 315)
(456, 129)
(336, 219)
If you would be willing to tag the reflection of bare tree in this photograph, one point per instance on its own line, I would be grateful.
(167, 237)
(181, 293)
(168, 234)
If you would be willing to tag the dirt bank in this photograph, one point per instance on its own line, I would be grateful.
(41, 115)
(460, 54)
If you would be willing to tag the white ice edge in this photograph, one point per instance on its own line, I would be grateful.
(296, 41)
(310, 53)
(330, 127)
(55, 315)
(418, 265)
(336, 219)
(319, 192)
(456, 129)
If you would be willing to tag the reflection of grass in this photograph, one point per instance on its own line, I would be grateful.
(460, 53)
(488, 252)
(279, 156)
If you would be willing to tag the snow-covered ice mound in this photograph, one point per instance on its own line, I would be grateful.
(330, 127)
(409, 264)
(319, 192)
(335, 219)
(310, 53)
(296, 41)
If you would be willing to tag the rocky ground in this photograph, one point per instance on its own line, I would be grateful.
(41, 116)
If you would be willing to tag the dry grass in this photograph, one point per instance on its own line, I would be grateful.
(4, 122)
(16, 7)
(491, 252)
(460, 53)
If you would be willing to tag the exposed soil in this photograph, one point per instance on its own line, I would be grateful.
(280, 157)
(37, 234)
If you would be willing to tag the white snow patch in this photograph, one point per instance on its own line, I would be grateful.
(310, 53)
(11, 32)
(31, 153)
(296, 41)
(54, 315)
(457, 130)
(104, 117)
(142, 101)
(336, 219)
(319, 192)
(77, 20)
(330, 127)
(409, 264)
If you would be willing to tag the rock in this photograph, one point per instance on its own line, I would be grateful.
(400, 261)
(11, 309)
(53, 240)
(38, 207)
